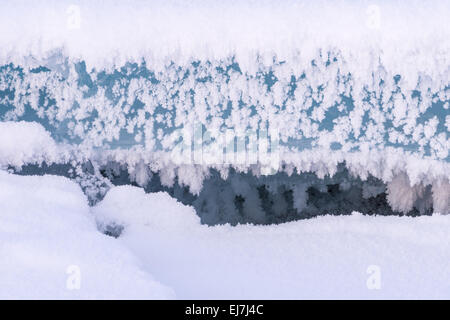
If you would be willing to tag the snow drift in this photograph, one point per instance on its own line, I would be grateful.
(47, 233)
(47, 230)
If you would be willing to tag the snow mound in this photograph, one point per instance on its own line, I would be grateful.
(26, 142)
(48, 238)
(128, 206)
(325, 257)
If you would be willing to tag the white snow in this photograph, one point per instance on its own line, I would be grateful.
(27, 142)
(112, 32)
(326, 257)
(331, 49)
(383, 55)
(48, 236)
(47, 229)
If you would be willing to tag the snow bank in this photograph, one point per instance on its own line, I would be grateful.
(48, 238)
(110, 32)
(326, 257)
(25, 143)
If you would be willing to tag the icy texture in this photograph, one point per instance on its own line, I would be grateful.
(326, 82)
(326, 257)
(47, 233)
(46, 227)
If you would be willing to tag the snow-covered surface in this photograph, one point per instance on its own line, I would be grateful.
(48, 236)
(27, 142)
(46, 226)
(171, 89)
(406, 175)
(326, 257)
(111, 32)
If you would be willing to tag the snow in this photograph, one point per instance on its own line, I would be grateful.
(170, 89)
(326, 257)
(329, 49)
(161, 30)
(125, 82)
(47, 229)
(27, 142)
(406, 175)
(48, 236)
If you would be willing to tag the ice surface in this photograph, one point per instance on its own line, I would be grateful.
(48, 235)
(166, 87)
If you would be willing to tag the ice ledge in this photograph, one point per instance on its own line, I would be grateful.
(406, 175)
(160, 31)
